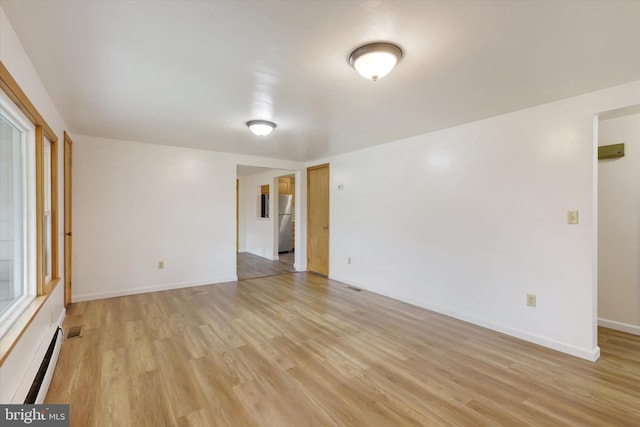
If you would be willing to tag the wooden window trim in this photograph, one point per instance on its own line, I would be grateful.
(55, 246)
(15, 93)
(43, 287)
(11, 88)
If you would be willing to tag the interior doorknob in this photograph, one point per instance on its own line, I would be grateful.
(68, 234)
(324, 227)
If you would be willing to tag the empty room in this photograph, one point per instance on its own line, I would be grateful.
(316, 212)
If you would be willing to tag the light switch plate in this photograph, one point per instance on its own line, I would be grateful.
(572, 217)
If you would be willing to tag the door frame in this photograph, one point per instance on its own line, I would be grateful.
(68, 218)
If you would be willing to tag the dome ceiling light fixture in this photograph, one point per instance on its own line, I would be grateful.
(261, 127)
(373, 61)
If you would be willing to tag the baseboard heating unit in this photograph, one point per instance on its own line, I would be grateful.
(36, 383)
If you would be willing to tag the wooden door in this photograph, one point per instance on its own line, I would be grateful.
(318, 219)
(68, 270)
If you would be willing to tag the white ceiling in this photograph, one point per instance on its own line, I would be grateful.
(191, 73)
(244, 170)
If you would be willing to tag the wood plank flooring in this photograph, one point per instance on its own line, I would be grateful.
(302, 350)
(252, 266)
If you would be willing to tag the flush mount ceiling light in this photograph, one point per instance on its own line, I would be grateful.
(261, 127)
(373, 61)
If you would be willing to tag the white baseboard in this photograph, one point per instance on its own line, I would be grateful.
(144, 290)
(32, 366)
(583, 353)
(619, 326)
(63, 314)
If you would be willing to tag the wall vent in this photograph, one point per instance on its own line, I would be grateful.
(610, 151)
(40, 386)
(74, 332)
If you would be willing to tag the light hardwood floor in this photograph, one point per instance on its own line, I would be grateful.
(251, 266)
(301, 350)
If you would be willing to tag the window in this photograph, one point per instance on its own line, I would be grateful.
(28, 211)
(263, 201)
(47, 223)
(17, 213)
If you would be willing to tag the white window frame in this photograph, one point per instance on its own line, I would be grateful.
(29, 248)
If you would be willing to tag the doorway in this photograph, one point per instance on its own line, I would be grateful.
(286, 219)
(318, 219)
(265, 217)
(619, 219)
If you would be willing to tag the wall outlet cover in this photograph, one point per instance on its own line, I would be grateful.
(531, 300)
(572, 217)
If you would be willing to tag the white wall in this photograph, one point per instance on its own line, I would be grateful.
(136, 204)
(242, 218)
(468, 220)
(40, 330)
(619, 226)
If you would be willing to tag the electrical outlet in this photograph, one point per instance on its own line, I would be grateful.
(160, 265)
(572, 217)
(349, 260)
(531, 300)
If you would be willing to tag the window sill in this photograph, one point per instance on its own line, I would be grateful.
(9, 340)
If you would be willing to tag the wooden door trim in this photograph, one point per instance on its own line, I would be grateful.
(68, 221)
(309, 169)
